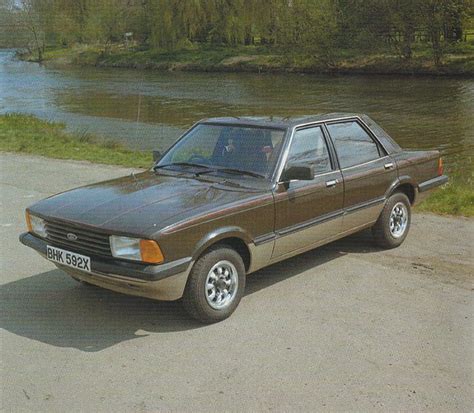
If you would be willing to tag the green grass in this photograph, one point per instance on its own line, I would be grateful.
(454, 198)
(30, 135)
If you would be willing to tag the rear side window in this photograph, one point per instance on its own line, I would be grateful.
(309, 147)
(353, 144)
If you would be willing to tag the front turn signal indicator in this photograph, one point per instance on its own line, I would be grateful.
(28, 221)
(150, 252)
(440, 166)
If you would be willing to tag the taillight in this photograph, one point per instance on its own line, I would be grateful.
(440, 166)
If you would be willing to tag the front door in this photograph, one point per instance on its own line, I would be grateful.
(308, 212)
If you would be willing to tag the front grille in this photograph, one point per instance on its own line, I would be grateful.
(87, 241)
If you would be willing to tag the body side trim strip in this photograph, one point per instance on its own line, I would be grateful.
(319, 243)
(262, 239)
(310, 223)
(364, 205)
(321, 219)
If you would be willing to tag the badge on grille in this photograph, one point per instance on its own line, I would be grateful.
(71, 237)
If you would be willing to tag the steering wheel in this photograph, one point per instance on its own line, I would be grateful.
(199, 159)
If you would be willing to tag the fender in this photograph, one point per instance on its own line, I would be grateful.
(220, 234)
(401, 180)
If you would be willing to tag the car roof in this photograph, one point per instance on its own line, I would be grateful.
(292, 121)
(279, 121)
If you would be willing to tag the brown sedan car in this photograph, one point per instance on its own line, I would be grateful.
(231, 196)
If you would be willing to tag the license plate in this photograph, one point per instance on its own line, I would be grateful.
(71, 259)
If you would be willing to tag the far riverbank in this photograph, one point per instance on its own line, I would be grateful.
(456, 62)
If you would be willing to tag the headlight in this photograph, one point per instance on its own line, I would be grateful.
(136, 249)
(36, 225)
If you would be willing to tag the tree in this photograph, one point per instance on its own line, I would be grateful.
(11, 34)
(312, 27)
(405, 16)
(433, 11)
(30, 19)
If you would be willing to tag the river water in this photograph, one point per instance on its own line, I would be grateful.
(149, 110)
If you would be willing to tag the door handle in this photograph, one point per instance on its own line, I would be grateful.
(331, 183)
(388, 165)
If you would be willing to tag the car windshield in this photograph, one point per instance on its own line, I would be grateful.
(245, 150)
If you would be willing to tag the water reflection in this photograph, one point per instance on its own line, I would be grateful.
(149, 109)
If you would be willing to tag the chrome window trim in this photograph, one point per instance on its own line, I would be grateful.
(268, 177)
(185, 133)
(373, 135)
(326, 173)
(286, 150)
(327, 142)
(280, 164)
(365, 127)
(303, 125)
(283, 157)
(364, 163)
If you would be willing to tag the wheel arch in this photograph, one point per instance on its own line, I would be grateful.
(233, 237)
(406, 185)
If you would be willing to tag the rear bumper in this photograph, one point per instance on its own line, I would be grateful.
(161, 282)
(432, 183)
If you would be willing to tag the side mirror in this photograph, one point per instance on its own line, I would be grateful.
(156, 156)
(300, 172)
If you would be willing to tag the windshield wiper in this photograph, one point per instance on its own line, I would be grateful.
(209, 169)
(236, 171)
(180, 164)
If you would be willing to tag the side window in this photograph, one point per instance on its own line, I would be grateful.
(309, 147)
(353, 144)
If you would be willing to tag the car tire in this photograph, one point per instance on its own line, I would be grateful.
(215, 285)
(393, 224)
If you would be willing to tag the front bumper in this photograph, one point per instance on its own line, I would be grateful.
(162, 282)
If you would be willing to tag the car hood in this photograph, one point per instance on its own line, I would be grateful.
(141, 204)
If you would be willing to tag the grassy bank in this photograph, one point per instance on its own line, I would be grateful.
(30, 135)
(459, 60)
(454, 198)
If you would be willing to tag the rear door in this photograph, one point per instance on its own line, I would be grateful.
(367, 171)
(308, 212)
